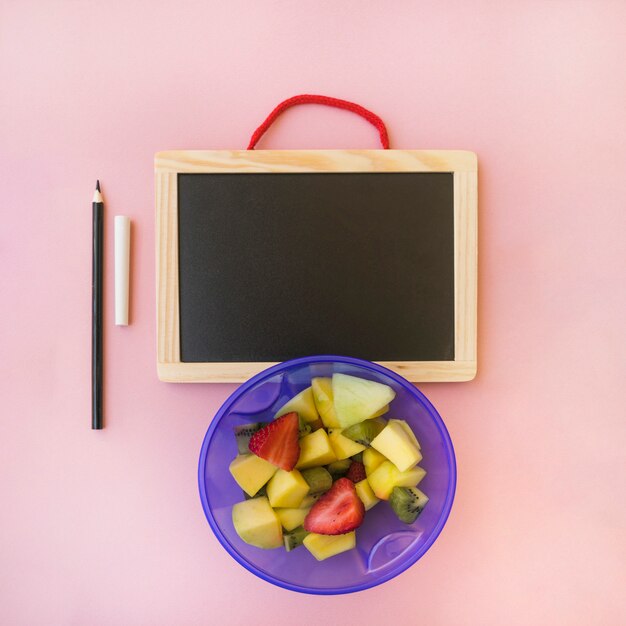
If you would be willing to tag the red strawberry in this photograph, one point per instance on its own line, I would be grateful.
(356, 472)
(278, 442)
(338, 511)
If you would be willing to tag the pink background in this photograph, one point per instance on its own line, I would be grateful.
(106, 527)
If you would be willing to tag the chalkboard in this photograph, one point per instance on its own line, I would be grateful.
(272, 265)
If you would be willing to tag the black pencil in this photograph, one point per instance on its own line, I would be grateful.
(96, 311)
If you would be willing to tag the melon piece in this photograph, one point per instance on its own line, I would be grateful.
(257, 524)
(287, 489)
(325, 546)
(358, 399)
(323, 397)
(394, 442)
(382, 411)
(315, 449)
(291, 518)
(251, 472)
(342, 446)
(387, 476)
(364, 491)
(372, 459)
(303, 404)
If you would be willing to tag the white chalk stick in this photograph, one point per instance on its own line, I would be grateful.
(122, 258)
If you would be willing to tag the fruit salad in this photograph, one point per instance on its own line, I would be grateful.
(330, 455)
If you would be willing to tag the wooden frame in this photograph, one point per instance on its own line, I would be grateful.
(462, 164)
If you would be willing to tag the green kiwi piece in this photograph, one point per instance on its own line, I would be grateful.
(243, 434)
(318, 478)
(309, 500)
(304, 428)
(363, 432)
(294, 538)
(407, 503)
(358, 457)
(338, 469)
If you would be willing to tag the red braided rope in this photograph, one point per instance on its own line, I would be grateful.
(372, 118)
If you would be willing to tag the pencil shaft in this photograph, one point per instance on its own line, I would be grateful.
(96, 319)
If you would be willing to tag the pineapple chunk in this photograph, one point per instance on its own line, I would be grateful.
(257, 524)
(287, 489)
(394, 442)
(409, 431)
(292, 518)
(342, 446)
(325, 546)
(315, 449)
(387, 476)
(251, 472)
(372, 459)
(323, 397)
(358, 399)
(364, 491)
(303, 404)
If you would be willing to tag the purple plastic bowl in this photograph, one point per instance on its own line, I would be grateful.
(385, 546)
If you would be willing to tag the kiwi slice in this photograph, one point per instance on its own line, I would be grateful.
(358, 457)
(309, 500)
(304, 428)
(363, 432)
(294, 538)
(318, 478)
(338, 469)
(407, 503)
(244, 433)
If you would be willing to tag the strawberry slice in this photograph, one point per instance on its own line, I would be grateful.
(338, 511)
(278, 442)
(356, 472)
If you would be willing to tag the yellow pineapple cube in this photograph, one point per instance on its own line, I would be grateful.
(372, 459)
(303, 404)
(394, 442)
(323, 397)
(251, 472)
(257, 524)
(287, 489)
(325, 546)
(387, 476)
(364, 491)
(342, 446)
(315, 449)
(292, 518)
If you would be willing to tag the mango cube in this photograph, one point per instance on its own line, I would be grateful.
(287, 489)
(292, 518)
(325, 546)
(365, 493)
(394, 442)
(342, 446)
(323, 397)
(257, 524)
(315, 449)
(251, 472)
(387, 476)
(303, 404)
(372, 459)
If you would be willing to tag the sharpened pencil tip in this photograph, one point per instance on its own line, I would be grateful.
(98, 184)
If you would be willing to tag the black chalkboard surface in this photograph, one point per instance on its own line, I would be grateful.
(266, 255)
(282, 265)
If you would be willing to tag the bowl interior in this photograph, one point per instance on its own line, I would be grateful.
(385, 546)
